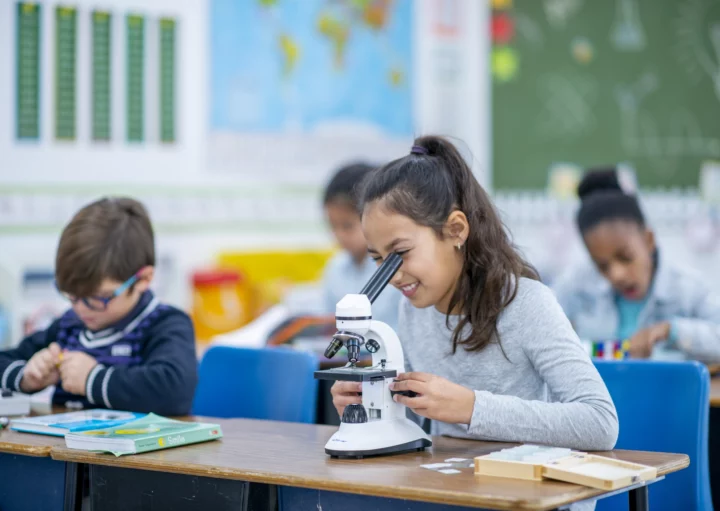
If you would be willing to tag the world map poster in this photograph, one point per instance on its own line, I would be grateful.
(301, 86)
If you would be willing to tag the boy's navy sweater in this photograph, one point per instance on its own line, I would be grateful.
(146, 362)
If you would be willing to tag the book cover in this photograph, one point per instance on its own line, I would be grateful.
(149, 433)
(60, 424)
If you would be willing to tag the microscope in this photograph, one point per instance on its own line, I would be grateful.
(379, 425)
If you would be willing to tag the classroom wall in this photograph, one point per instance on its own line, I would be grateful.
(199, 212)
(42, 183)
(81, 160)
(452, 85)
(450, 56)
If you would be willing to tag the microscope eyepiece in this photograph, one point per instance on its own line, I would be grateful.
(382, 276)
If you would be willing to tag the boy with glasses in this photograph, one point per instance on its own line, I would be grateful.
(117, 347)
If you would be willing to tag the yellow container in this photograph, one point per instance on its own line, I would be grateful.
(222, 302)
(270, 274)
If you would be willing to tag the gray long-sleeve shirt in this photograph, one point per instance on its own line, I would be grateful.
(546, 391)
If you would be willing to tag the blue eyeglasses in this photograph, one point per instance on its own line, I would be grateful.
(99, 303)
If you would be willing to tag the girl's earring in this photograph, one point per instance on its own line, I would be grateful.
(459, 245)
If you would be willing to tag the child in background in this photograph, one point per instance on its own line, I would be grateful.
(488, 349)
(117, 347)
(630, 291)
(349, 270)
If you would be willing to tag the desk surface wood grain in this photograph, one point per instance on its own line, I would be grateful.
(293, 455)
(28, 444)
(31, 444)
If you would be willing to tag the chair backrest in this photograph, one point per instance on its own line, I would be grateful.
(663, 406)
(269, 383)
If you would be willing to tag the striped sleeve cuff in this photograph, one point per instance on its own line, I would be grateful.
(12, 375)
(97, 389)
(93, 385)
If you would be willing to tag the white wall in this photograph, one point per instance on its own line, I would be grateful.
(83, 161)
(452, 82)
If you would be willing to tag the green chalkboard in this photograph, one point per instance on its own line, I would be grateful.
(591, 82)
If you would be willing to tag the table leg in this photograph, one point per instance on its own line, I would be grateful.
(73, 487)
(262, 497)
(639, 499)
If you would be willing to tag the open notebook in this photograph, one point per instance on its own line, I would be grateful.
(71, 422)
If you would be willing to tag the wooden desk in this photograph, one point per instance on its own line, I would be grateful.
(26, 444)
(292, 455)
(24, 461)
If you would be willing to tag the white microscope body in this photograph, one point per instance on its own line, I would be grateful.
(379, 426)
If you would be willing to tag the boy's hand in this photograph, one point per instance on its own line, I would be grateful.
(41, 370)
(74, 370)
(437, 398)
(642, 343)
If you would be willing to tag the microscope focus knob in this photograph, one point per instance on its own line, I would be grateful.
(354, 414)
(372, 346)
(407, 393)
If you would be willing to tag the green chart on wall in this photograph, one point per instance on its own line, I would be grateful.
(61, 70)
(135, 96)
(167, 80)
(27, 117)
(65, 72)
(101, 59)
(604, 82)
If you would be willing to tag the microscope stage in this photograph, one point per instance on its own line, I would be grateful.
(354, 374)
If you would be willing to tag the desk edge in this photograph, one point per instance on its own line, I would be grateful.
(422, 495)
(36, 451)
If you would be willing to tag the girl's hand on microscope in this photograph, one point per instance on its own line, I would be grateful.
(346, 393)
(437, 398)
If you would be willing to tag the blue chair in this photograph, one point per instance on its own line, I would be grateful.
(663, 406)
(270, 383)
